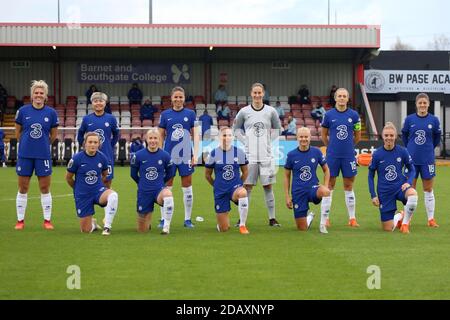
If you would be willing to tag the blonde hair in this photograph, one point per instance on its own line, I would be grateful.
(99, 95)
(152, 130)
(304, 129)
(389, 125)
(35, 84)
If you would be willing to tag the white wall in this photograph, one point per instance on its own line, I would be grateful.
(393, 113)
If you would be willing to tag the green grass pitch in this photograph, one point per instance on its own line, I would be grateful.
(270, 263)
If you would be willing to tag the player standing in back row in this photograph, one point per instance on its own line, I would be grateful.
(341, 131)
(176, 128)
(421, 133)
(36, 129)
(106, 126)
(258, 120)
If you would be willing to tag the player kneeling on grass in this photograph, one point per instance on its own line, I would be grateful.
(302, 163)
(388, 162)
(225, 161)
(152, 168)
(90, 169)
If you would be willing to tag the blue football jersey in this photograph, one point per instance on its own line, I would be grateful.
(178, 125)
(420, 136)
(304, 166)
(36, 126)
(151, 170)
(2, 136)
(393, 167)
(226, 165)
(106, 126)
(341, 126)
(88, 172)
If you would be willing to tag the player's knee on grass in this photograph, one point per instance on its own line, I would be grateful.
(387, 225)
(223, 221)
(302, 224)
(224, 228)
(143, 222)
(86, 225)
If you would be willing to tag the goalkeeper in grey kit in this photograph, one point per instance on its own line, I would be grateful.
(260, 122)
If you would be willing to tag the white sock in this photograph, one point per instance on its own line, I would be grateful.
(270, 202)
(325, 209)
(93, 225)
(410, 207)
(188, 199)
(243, 211)
(168, 211)
(161, 209)
(46, 202)
(309, 219)
(21, 205)
(331, 201)
(429, 204)
(350, 201)
(111, 209)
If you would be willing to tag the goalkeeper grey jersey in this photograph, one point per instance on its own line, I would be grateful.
(257, 125)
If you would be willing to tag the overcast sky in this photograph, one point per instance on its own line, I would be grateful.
(415, 22)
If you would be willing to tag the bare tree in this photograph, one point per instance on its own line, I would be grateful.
(399, 45)
(441, 42)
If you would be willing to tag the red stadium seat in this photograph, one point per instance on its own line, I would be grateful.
(297, 114)
(300, 121)
(115, 107)
(315, 99)
(307, 107)
(199, 99)
(124, 107)
(147, 123)
(135, 107)
(136, 123)
(310, 122)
